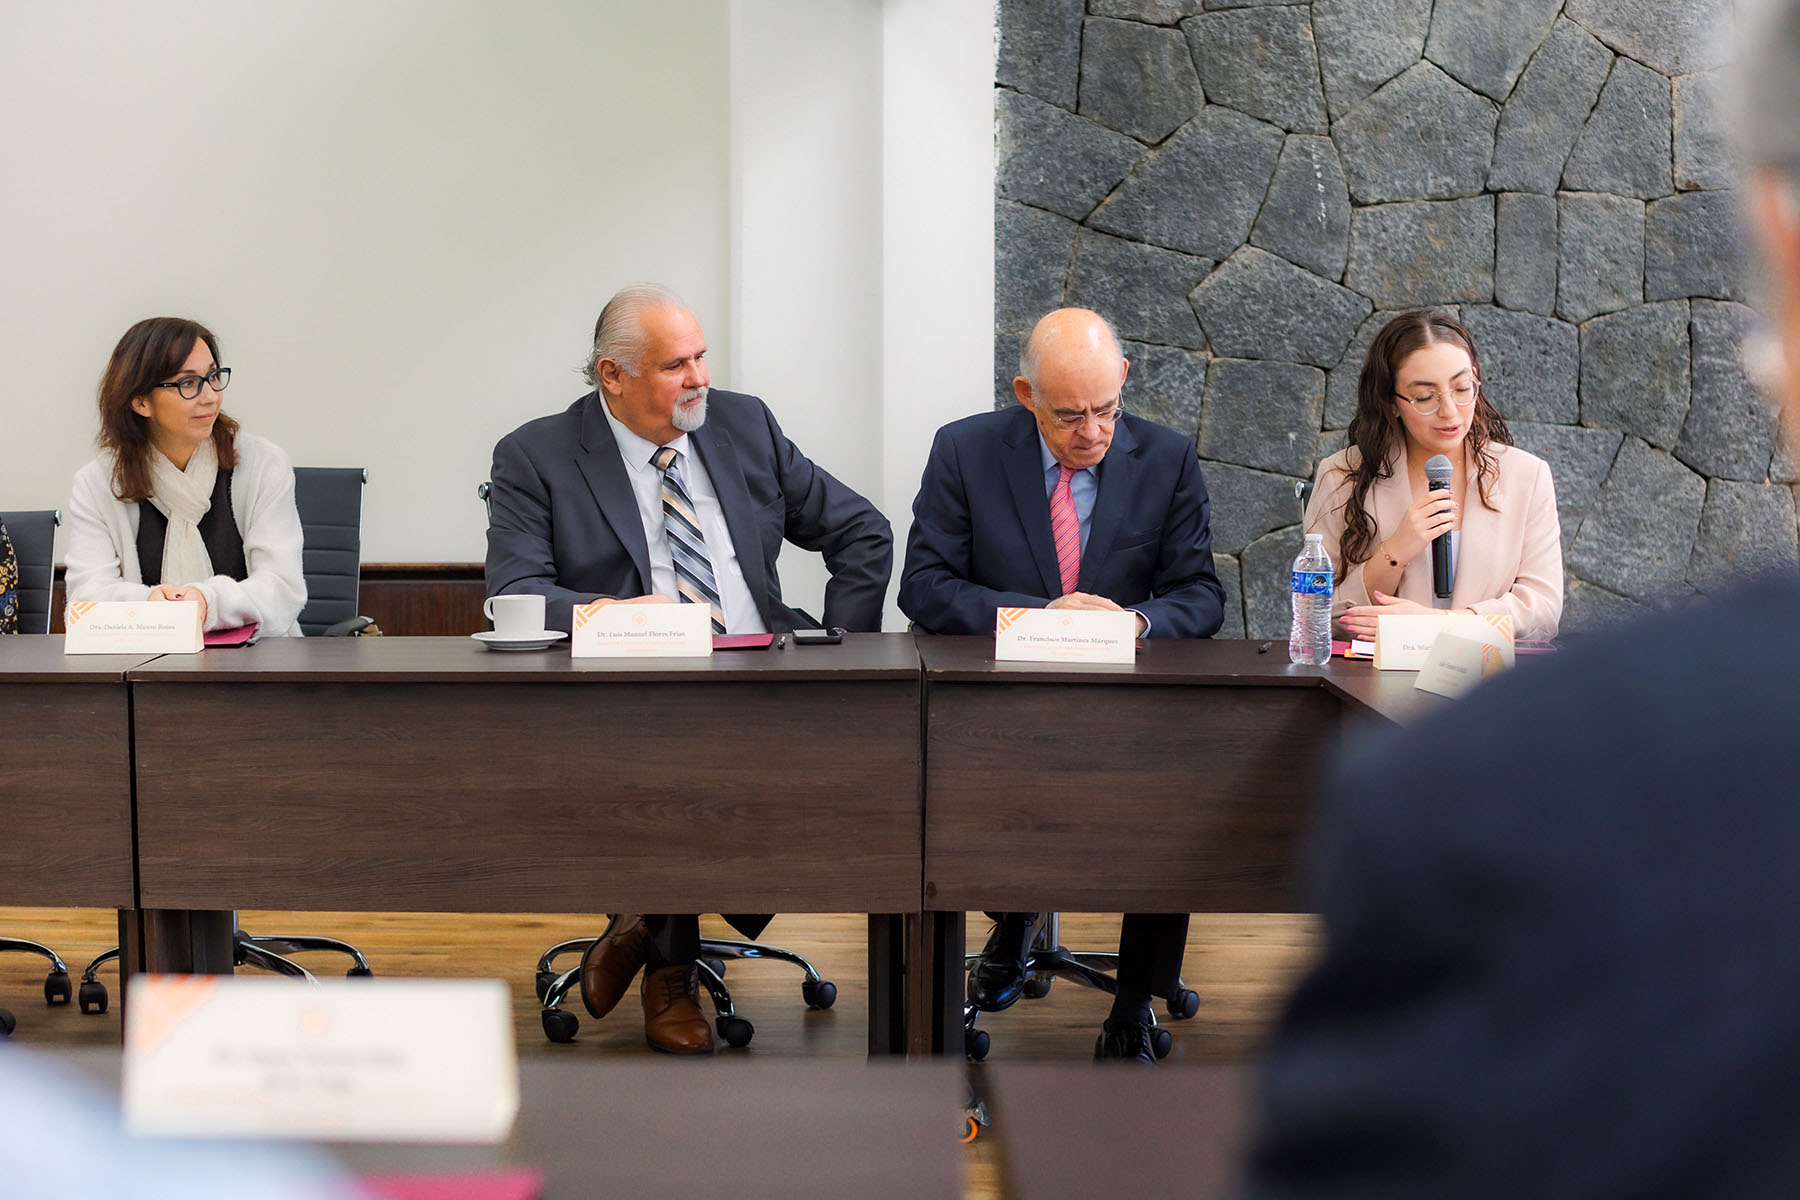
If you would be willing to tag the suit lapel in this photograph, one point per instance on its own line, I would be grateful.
(604, 471)
(1024, 467)
(720, 458)
(1391, 498)
(1117, 484)
(1475, 562)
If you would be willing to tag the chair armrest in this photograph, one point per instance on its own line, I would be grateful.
(348, 628)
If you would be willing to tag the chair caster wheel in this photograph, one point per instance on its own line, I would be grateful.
(818, 993)
(715, 965)
(542, 984)
(976, 1044)
(736, 1031)
(1161, 1043)
(7, 1024)
(1184, 1004)
(359, 973)
(92, 997)
(560, 1026)
(1038, 986)
(56, 988)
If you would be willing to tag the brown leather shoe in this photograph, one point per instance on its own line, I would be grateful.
(608, 966)
(672, 1019)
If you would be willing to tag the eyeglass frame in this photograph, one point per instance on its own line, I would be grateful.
(1437, 399)
(219, 378)
(1072, 421)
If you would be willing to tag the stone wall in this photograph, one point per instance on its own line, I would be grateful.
(1250, 189)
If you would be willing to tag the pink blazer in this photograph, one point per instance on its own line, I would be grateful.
(1509, 556)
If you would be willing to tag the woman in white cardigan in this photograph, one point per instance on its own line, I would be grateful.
(179, 505)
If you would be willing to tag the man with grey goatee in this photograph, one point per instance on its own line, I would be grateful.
(656, 488)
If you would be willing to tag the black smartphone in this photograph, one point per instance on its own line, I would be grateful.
(818, 637)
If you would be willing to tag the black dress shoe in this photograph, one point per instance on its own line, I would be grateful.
(1127, 1041)
(998, 976)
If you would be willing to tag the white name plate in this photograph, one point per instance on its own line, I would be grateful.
(358, 1060)
(641, 631)
(1457, 664)
(1064, 635)
(1403, 640)
(133, 627)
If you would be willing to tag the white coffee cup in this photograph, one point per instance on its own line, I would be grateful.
(516, 616)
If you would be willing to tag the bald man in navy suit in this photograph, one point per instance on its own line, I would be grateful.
(1067, 502)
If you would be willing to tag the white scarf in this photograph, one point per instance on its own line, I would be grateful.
(184, 497)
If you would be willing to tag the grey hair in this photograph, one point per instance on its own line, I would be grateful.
(619, 333)
(1768, 87)
(1028, 350)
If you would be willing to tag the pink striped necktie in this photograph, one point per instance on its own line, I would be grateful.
(1065, 528)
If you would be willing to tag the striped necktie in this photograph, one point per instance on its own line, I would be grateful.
(1065, 528)
(687, 546)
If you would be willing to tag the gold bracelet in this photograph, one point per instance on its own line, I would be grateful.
(1392, 561)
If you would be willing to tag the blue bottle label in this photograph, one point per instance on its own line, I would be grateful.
(1312, 583)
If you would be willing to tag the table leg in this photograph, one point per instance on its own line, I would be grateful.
(887, 984)
(935, 985)
(183, 941)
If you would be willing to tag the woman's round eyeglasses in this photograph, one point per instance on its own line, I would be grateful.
(1462, 395)
(188, 386)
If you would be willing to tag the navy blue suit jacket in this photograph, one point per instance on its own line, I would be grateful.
(563, 521)
(1559, 922)
(981, 529)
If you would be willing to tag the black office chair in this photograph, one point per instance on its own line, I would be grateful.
(553, 986)
(1048, 959)
(330, 504)
(33, 537)
(329, 500)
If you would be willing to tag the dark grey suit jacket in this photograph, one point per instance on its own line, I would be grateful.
(563, 521)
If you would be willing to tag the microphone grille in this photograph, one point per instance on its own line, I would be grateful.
(1437, 469)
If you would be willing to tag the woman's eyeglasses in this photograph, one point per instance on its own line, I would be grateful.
(1463, 395)
(188, 386)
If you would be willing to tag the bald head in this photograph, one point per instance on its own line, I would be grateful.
(1072, 377)
(1069, 335)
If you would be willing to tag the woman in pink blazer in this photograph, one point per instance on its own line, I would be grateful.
(1420, 395)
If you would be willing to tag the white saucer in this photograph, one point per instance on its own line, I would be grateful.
(541, 640)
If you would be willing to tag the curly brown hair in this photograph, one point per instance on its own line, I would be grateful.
(148, 354)
(1376, 432)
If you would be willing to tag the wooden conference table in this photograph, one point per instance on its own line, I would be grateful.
(748, 1129)
(65, 774)
(1180, 783)
(429, 774)
(432, 775)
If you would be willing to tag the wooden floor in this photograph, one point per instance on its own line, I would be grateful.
(1241, 965)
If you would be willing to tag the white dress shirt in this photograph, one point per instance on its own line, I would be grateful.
(741, 614)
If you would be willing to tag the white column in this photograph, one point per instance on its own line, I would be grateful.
(937, 235)
(806, 238)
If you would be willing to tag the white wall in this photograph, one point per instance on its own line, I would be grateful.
(412, 211)
(400, 218)
(938, 231)
(806, 219)
(863, 233)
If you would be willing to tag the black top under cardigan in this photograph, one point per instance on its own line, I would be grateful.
(218, 530)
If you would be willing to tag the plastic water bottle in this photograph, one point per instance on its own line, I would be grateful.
(1309, 641)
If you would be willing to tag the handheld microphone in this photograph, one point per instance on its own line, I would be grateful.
(1437, 478)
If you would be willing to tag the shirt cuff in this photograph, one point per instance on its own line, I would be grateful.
(1147, 623)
